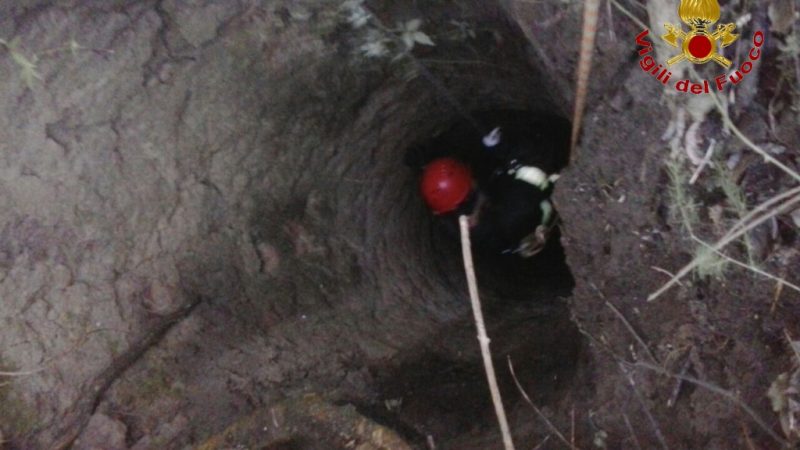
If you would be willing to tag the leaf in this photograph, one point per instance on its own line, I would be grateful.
(352, 4)
(423, 38)
(359, 17)
(408, 39)
(413, 24)
(74, 47)
(300, 13)
(374, 49)
(777, 392)
(783, 397)
(28, 70)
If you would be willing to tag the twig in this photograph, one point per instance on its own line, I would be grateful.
(665, 272)
(722, 392)
(791, 345)
(611, 33)
(763, 207)
(588, 34)
(730, 125)
(572, 426)
(641, 342)
(544, 441)
(796, 33)
(700, 383)
(679, 382)
(431, 443)
(754, 269)
(630, 431)
(629, 14)
(650, 418)
(472, 283)
(746, 434)
(633, 332)
(776, 297)
(539, 412)
(723, 242)
(704, 162)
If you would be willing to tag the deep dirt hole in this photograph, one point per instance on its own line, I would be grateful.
(246, 158)
(440, 389)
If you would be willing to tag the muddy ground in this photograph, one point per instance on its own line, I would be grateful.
(208, 238)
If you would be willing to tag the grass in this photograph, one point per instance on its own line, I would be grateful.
(706, 260)
(27, 65)
(737, 202)
(682, 206)
(685, 211)
(709, 259)
(779, 204)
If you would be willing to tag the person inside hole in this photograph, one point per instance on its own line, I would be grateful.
(498, 169)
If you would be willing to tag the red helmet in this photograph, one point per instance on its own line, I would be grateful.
(446, 182)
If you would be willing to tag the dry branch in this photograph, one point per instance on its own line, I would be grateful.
(727, 239)
(538, 411)
(643, 405)
(472, 283)
(782, 281)
(730, 125)
(722, 392)
(633, 332)
(588, 34)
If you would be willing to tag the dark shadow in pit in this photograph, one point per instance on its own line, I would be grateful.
(505, 277)
(439, 389)
(533, 138)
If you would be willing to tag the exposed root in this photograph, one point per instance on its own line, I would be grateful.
(77, 417)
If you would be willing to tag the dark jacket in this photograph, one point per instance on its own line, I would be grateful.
(513, 207)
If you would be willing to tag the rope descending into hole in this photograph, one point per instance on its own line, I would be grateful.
(482, 337)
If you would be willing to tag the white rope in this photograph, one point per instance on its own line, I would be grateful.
(466, 248)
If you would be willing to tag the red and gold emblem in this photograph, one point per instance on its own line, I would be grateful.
(699, 45)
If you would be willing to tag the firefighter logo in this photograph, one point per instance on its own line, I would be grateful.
(700, 45)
